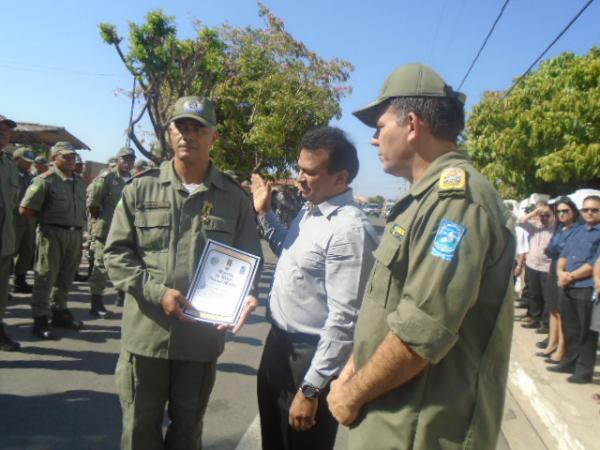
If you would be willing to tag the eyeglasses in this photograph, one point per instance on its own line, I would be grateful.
(590, 210)
(546, 216)
(563, 211)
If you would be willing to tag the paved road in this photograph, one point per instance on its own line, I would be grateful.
(61, 394)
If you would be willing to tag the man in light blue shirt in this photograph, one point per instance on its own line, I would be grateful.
(324, 261)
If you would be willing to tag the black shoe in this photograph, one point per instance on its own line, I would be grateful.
(120, 298)
(579, 379)
(552, 361)
(521, 304)
(64, 319)
(544, 354)
(542, 344)
(532, 324)
(6, 343)
(543, 329)
(562, 368)
(41, 329)
(98, 308)
(20, 285)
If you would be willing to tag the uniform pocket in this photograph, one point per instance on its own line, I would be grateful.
(381, 279)
(220, 230)
(125, 378)
(153, 230)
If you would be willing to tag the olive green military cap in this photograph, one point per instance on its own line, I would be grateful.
(410, 80)
(41, 160)
(196, 108)
(141, 164)
(8, 122)
(62, 148)
(126, 151)
(24, 153)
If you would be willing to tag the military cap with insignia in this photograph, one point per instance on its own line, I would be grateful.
(410, 80)
(24, 153)
(125, 151)
(200, 109)
(62, 148)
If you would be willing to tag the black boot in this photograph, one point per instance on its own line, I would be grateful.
(41, 328)
(64, 319)
(98, 308)
(6, 343)
(120, 298)
(20, 285)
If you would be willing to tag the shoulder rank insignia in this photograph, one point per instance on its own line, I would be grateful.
(453, 179)
(398, 232)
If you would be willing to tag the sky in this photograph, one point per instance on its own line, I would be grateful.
(56, 70)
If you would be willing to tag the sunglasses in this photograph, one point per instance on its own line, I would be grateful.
(546, 216)
(563, 211)
(590, 210)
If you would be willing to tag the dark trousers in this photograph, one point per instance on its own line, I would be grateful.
(285, 360)
(536, 293)
(581, 342)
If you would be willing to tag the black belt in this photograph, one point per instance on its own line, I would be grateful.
(64, 227)
(297, 338)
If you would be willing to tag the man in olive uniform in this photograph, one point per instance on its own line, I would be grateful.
(41, 165)
(103, 194)
(157, 235)
(9, 191)
(57, 200)
(433, 337)
(140, 165)
(24, 227)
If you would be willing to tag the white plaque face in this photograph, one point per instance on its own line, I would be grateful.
(221, 283)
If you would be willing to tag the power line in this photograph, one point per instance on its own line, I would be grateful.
(484, 43)
(549, 46)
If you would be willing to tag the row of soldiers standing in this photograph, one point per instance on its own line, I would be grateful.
(54, 205)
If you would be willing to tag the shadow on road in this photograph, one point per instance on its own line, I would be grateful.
(242, 369)
(89, 361)
(71, 420)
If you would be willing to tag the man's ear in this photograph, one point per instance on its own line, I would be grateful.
(215, 136)
(416, 125)
(342, 177)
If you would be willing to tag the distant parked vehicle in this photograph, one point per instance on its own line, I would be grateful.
(372, 209)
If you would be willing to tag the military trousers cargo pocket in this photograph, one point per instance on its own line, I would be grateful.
(125, 377)
(153, 230)
(385, 256)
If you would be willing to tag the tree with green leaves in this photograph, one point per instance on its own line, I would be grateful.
(544, 136)
(269, 88)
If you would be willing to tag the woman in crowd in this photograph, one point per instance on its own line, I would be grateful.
(566, 222)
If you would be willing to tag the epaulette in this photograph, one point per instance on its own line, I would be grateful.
(148, 171)
(453, 181)
(233, 180)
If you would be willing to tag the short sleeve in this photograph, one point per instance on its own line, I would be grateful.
(448, 246)
(34, 195)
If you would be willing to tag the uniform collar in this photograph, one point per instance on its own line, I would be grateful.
(331, 205)
(433, 172)
(62, 175)
(213, 177)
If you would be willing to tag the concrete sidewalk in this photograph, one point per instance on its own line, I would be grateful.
(562, 415)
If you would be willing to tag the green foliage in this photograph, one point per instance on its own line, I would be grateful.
(378, 199)
(269, 88)
(544, 136)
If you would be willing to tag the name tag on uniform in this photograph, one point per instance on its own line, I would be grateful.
(447, 239)
(398, 232)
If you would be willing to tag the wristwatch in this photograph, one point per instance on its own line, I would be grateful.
(309, 390)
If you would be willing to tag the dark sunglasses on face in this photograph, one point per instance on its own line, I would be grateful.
(590, 210)
(545, 216)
